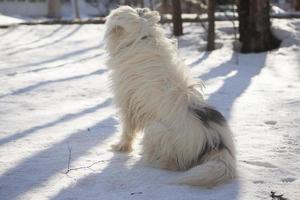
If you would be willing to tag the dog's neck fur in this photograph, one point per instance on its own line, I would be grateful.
(120, 41)
(141, 52)
(133, 42)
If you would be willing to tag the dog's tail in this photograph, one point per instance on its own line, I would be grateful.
(218, 169)
(217, 160)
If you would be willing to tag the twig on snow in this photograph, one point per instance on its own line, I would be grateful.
(78, 168)
(70, 158)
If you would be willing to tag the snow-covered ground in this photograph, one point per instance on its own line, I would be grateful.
(55, 99)
(4, 19)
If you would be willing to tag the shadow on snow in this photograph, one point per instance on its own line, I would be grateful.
(237, 78)
(33, 168)
(63, 119)
(43, 83)
(63, 37)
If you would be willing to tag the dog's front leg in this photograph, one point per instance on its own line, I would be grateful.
(125, 143)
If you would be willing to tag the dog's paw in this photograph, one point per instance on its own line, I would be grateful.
(122, 147)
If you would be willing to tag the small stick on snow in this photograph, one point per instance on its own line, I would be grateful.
(85, 167)
(77, 168)
(69, 159)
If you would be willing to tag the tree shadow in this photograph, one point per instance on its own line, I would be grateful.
(189, 40)
(16, 38)
(43, 83)
(237, 78)
(64, 64)
(61, 57)
(122, 180)
(199, 60)
(23, 50)
(32, 171)
(8, 30)
(65, 118)
(38, 39)
(114, 179)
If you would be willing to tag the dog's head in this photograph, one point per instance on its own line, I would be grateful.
(125, 25)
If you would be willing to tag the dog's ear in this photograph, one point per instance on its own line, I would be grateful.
(112, 37)
(115, 31)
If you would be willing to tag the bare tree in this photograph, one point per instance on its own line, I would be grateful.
(177, 20)
(296, 5)
(211, 25)
(54, 8)
(142, 3)
(99, 4)
(151, 4)
(255, 26)
(164, 6)
(131, 2)
(96, 4)
(76, 9)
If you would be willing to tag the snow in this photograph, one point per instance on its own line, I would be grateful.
(276, 10)
(4, 19)
(55, 96)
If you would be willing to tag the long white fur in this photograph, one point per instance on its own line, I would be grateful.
(154, 93)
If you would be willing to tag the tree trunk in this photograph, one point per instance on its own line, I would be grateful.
(151, 4)
(255, 26)
(54, 8)
(189, 6)
(76, 7)
(211, 25)
(142, 4)
(297, 5)
(128, 2)
(134, 3)
(164, 6)
(176, 18)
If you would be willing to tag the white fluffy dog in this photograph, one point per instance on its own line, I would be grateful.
(156, 95)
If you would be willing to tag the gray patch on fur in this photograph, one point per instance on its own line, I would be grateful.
(217, 145)
(208, 114)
